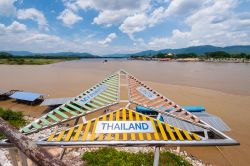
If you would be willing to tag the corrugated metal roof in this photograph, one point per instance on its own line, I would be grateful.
(27, 96)
(212, 120)
(3, 91)
(55, 101)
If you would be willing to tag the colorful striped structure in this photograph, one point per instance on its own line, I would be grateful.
(97, 97)
(124, 126)
(143, 95)
(105, 96)
(85, 133)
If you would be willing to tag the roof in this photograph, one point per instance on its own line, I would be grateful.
(55, 101)
(212, 120)
(27, 96)
(2, 92)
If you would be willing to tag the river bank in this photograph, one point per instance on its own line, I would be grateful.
(229, 60)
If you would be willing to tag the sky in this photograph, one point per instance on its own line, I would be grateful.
(121, 26)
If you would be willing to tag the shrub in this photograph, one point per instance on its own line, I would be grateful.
(112, 157)
(13, 118)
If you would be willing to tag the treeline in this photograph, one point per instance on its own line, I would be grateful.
(223, 55)
(216, 55)
(5, 55)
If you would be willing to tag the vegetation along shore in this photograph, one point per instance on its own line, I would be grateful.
(6, 58)
(219, 56)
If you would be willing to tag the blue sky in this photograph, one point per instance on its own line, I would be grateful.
(121, 26)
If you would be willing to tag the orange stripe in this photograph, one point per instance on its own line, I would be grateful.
(156, 135)
(93, 130)
(110, 119)
(86, 131)
(78, 132)
(162, 130)
(147, 134)
(117, 119)
(131, 119)
(101, 134)
(124, 116)
(138, 119)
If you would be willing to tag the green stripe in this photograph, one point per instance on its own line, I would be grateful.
(46, 122)
(106, 97)
(98, 102)
(93, 105)
(112, 83)
(114, 91)
(37, 126)
(111, 95)
(26, 129)
(69, 111)
(86, 107)
(74, 107)
(61, 114)
(54, 117)
(102, 99)
(113, 87)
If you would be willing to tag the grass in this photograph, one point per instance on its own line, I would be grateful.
(13, 118)
(29, 61)
(113, 157)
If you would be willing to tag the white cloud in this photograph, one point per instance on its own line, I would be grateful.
(111, 12)
(184, 7)
(109, 4)
(110, 17)
(135, 23)
(41, 38)
(214, 23)
(69, 18)
(15, 27)
(108, 39)
(7, 7)
(34, 15)
(141, 21)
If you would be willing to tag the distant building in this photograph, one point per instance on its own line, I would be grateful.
(165, 59)
(169, 54)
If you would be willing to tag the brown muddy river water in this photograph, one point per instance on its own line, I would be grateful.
(226, 77)
(223, 88)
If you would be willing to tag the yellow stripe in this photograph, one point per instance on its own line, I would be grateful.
(67, 138)
(197, 138)
(138, 119)
(178, 133)
(147, 134)
(86, 131)
(155, 133)
(51, 136)
(110, 119)
(101, 134)
(93, 130)
(131, 119)
(78, 132)
(124, 116)
(162, 130)
(60, 136)
(187, 135)
(170, 132)
(117, 119)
